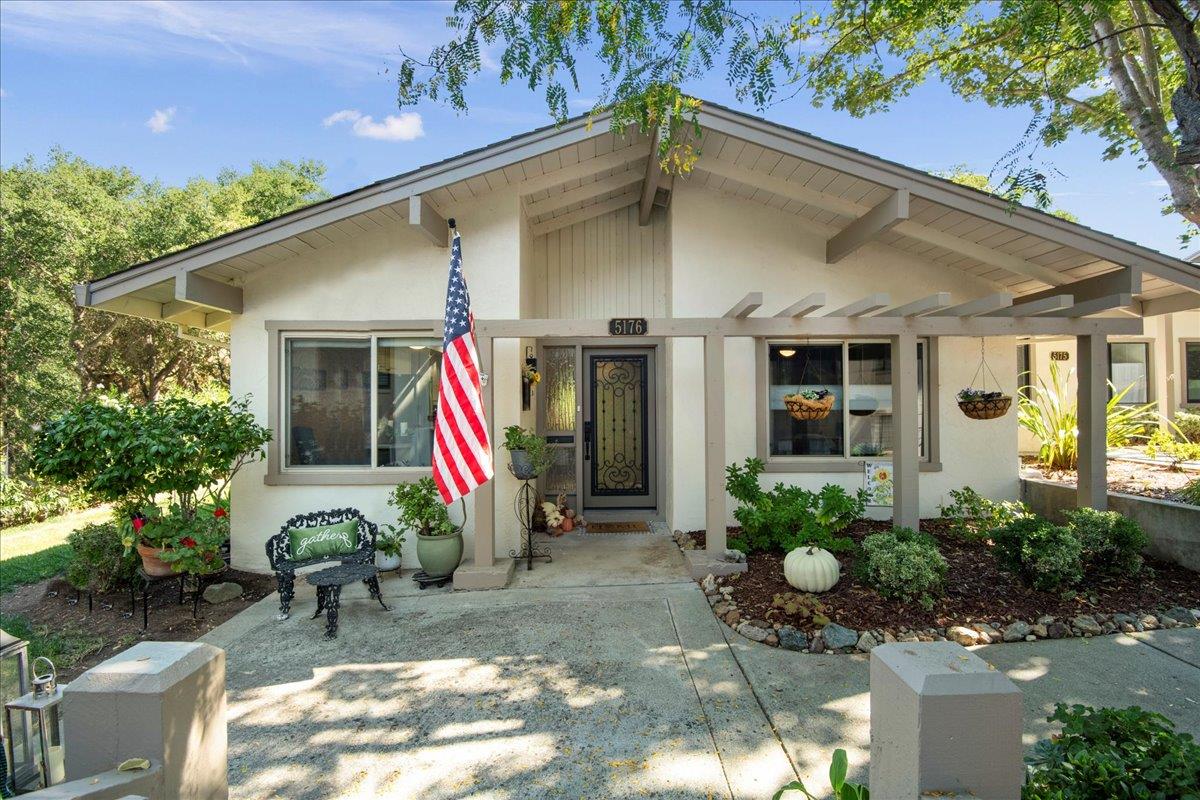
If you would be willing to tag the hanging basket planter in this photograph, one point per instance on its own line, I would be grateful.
(805, 409)
(986, 405)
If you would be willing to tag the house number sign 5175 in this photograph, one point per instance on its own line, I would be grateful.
(627, 326)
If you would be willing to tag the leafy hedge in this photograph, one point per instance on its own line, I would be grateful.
(786, 517)
(904, 565)
(1117, 753)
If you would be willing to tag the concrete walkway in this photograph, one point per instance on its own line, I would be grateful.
(577, 683)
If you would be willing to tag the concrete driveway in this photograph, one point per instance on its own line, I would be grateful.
(591, 686)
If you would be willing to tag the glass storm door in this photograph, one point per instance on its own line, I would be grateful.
(619, 428)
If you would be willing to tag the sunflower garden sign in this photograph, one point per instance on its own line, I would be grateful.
(878, 482)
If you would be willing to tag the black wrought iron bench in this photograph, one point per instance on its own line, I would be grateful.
(279, 550)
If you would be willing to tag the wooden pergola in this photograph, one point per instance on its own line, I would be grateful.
(1064, 311)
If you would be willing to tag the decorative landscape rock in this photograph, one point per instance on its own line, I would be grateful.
(837, 636)
(735, 556)
(867, 642)
(988, 632)
(963, 635)
(792, 638)
(222, 592)
(1086, 625)
(1016, 632)
(753, 632)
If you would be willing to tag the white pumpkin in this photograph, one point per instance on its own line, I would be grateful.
(811, 569)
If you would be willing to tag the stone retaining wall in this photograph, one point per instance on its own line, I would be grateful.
(1173, 528)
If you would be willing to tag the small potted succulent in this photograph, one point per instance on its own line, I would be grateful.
(388, 547)
(439, 541)
(809, 404)
(528, 452)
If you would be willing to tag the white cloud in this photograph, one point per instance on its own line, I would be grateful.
(160, 120)
(359, 37)
(393, 128)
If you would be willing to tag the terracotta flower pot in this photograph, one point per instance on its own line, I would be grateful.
(568, 525)
(151, 563)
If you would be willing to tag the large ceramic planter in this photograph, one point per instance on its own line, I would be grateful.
(151, 563)
(522, 467)
(440, 555)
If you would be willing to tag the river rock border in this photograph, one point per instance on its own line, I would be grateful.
(834, 638)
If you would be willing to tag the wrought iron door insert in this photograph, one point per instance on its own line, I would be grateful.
(618, 436)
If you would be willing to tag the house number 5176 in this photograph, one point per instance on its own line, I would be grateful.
(627, 326)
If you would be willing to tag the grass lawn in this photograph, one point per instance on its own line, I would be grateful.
(34, 552)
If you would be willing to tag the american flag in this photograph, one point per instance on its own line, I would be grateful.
(462, 454)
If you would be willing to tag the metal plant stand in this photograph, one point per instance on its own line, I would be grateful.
(524, 506)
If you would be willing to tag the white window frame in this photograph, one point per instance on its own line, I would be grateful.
(845, 463)
(278, 471)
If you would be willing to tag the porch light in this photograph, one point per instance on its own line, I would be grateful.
(33, 732)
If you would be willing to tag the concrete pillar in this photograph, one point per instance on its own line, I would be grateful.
(942, 720)
(906, 449)
(1092, 380)
(164, 701)
(714, 446)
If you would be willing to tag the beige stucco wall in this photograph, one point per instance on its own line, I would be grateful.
(383, 274)
(728, 247)
(720, 247)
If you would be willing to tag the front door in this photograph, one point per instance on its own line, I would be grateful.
(619, 447)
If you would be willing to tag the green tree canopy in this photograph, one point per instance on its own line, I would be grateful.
(63, 221)
(1126, 70)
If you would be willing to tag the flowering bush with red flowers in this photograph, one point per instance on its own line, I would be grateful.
(195, 546)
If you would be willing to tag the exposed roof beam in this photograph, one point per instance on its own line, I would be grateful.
(890, 174)
(1044, 306)
(746, 306)
(1100, 304)
(582, 193)
(976, 308)
(804, 306)
(422, 217)
(918, 307)
(869, 226)
(218, 320)
(988, 255)
(650, 182)
(618, 159)
(202, 291)
(1183, 301)
(1127, 280)
(553, 224)
(872, 302)
(915, 230)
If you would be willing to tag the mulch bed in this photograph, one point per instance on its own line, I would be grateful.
(107, 622)
(1159, 481)
(977, 589)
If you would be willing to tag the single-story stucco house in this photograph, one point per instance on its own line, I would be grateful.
(668, 316)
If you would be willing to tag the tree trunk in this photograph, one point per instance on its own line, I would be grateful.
(1185, 103)
(1153, 136)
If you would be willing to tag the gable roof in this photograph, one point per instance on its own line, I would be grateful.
(565, 173)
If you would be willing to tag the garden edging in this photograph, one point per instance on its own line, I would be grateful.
(835, 638)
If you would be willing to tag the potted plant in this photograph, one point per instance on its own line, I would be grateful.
(809, 404)
(387, 549)
(529, 453)
(195, 547)
(980, 404)
(439, 541)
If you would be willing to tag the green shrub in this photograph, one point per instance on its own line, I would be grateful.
(904, 565)
(787, 517)
(1048, 557)
(1112, 544)
(1188, 425)
(973, 516)
(23, 501)
(1190, 493)
(1119, 753)
(99, 561)
(1163, 443)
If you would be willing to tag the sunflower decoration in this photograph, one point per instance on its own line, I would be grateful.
(530, 374)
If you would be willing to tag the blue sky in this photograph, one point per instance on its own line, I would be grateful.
(180, 89)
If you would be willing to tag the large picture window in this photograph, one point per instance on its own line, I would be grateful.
(365, 401)
(859, 375)
(1129, 365)
(1191, 367)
